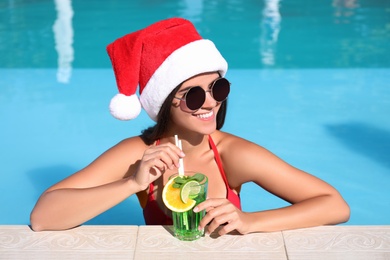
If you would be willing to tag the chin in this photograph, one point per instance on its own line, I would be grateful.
(207, 130)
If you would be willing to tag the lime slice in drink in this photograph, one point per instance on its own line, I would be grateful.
(189, 189)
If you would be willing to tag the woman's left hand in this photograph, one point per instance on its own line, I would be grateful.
(222, 212)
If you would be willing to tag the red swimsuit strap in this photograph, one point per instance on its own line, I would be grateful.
(231, 195)
(151, 186)
(218, 160)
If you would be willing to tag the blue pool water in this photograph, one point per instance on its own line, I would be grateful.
(309, 82)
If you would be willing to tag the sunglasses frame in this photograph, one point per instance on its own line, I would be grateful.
(183, 100)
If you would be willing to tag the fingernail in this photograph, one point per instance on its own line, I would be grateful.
(182, 154)
(196, 209)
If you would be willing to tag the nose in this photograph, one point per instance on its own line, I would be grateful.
(210, 101)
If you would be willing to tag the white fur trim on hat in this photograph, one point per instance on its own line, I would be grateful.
(192, 59)
(125, 107)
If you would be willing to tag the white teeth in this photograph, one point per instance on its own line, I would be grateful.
(205, 115)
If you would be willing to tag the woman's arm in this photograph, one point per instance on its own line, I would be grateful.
(123, 170)
(313, 201)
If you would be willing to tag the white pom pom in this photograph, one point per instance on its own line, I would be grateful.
(125, 107)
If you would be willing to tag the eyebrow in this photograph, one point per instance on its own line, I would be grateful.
(187, 88)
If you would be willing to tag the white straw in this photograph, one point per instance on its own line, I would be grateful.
(176, 140)
(181, 165)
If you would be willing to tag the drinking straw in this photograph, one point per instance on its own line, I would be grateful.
(181, 166)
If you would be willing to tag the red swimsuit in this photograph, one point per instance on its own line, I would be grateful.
(153, 215)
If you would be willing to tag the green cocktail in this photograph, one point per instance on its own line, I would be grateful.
(184, 193)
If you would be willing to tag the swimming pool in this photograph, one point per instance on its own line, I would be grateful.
(309, 82)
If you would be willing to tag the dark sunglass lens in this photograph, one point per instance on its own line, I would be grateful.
(221, 89)
(195, 98)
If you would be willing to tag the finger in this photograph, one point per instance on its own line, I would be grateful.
(168, 153)
(160, 158)
(208, 220)
(175, 153)
(211, 227)
(153, 161)
(227, 228)
(205, 221)
(172, 148)
(219, 218)
(176, 149)
(168, 158)
(216, 213)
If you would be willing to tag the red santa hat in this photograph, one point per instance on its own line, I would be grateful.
(157, 59)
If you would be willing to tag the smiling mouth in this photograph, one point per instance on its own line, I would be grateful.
(206, 115)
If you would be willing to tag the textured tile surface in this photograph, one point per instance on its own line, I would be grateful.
(339, 242)
(85, 242)
(157, 241)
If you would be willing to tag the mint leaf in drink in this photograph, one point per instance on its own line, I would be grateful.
(176, 185)
(180, 180)
(198, 177)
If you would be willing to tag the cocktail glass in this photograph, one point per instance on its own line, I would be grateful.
(185, 224)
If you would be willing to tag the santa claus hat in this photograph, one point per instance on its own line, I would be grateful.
(157, 59)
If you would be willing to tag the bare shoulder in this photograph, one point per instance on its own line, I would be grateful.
(126, 148)
(246, 157)
(124, 154)
(244, 161)
(229, 144)
(131, 146)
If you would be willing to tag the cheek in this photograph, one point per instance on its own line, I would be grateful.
(178, 116)
(182, 119)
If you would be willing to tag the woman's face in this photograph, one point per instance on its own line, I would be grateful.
(204, 120)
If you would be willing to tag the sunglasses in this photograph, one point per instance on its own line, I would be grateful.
(194, 98)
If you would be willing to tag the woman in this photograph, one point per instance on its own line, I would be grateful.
(182, 86)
